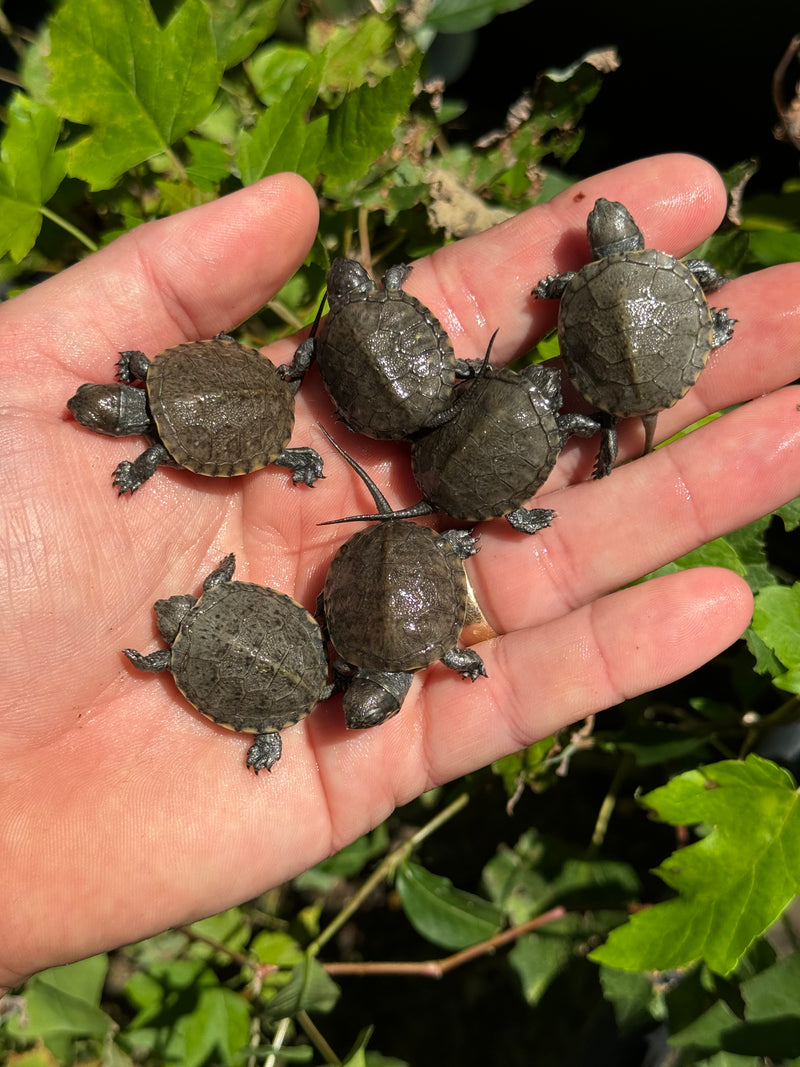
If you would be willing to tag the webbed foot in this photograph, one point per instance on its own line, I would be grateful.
(304, 463)
(530, 520)
(265, 751)
(466, 662)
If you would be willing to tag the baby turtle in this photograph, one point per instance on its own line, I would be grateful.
(498, 446)
(394, 602)
(247, 657)
(214, 407)
(634, 326)
(385, 359)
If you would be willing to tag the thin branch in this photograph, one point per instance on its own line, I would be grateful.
(316, 1038)
(87, 242)
(439, 968)
(384, 870)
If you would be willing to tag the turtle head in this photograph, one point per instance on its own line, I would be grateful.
(345, 277)
(372, 697)
(610, 228)
(170, 613)
(113, 410)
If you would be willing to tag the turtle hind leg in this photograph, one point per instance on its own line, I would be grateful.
(649, 423)
(130, 474)
(265, 751)
(154, 662)
(530, 520)
(466, 662)
(608, 444)
(304, 463)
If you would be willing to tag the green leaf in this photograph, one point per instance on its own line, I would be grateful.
(140, 87)
(539, 958)
(220, 1023)
(776, 621)
(308, 989)
(732, 884)
(443, 914)
(64, 1001)
(769, 247)
(282, 139)
(457, 16)
(363, 125)
(239, 25)
(273, 70)
(31, 169)
(631, 996)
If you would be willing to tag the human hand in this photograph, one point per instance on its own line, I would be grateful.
(123, 811)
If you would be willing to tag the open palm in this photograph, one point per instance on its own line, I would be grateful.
(123, 811)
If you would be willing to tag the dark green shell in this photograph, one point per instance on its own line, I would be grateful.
(250, 658)
(635, 331)
(219, 407)
(498, 449)
(386, 362)
(395, 598)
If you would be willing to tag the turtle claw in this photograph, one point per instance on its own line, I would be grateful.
(304, 463)
(265, 751)
(530, 520)
(466, 662)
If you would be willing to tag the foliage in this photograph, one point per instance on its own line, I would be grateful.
(557, 891)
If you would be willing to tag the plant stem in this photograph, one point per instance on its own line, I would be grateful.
(439, 968)
(87, 242)
(384, 869)
(609, 803)
(316, 1038)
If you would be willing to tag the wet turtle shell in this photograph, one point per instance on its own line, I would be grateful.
(215, 407)
(498, 448)
(385, 359)
(394, 602)
(246, 656)
(220, 408)
(634, 326)
(395, 598)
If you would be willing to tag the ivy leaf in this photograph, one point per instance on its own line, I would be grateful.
(140, 87)
(776, 621)
(239, 25)
(363, 125)
(443, 914)
(282, 139)
(731, 885)
(31, 169)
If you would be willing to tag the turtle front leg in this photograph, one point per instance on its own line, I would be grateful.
(707, 276)
(132, 366)
(530, 520)
(265, 751)
(304, 356)
(154, 662)
(552, 287)
(466, 662)
(304, 463)
(130, 474)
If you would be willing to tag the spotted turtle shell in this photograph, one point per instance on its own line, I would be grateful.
(635, 331)
(395, 598)
(219, 407)
(386, 362)
(496, 452)
(249, 658)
